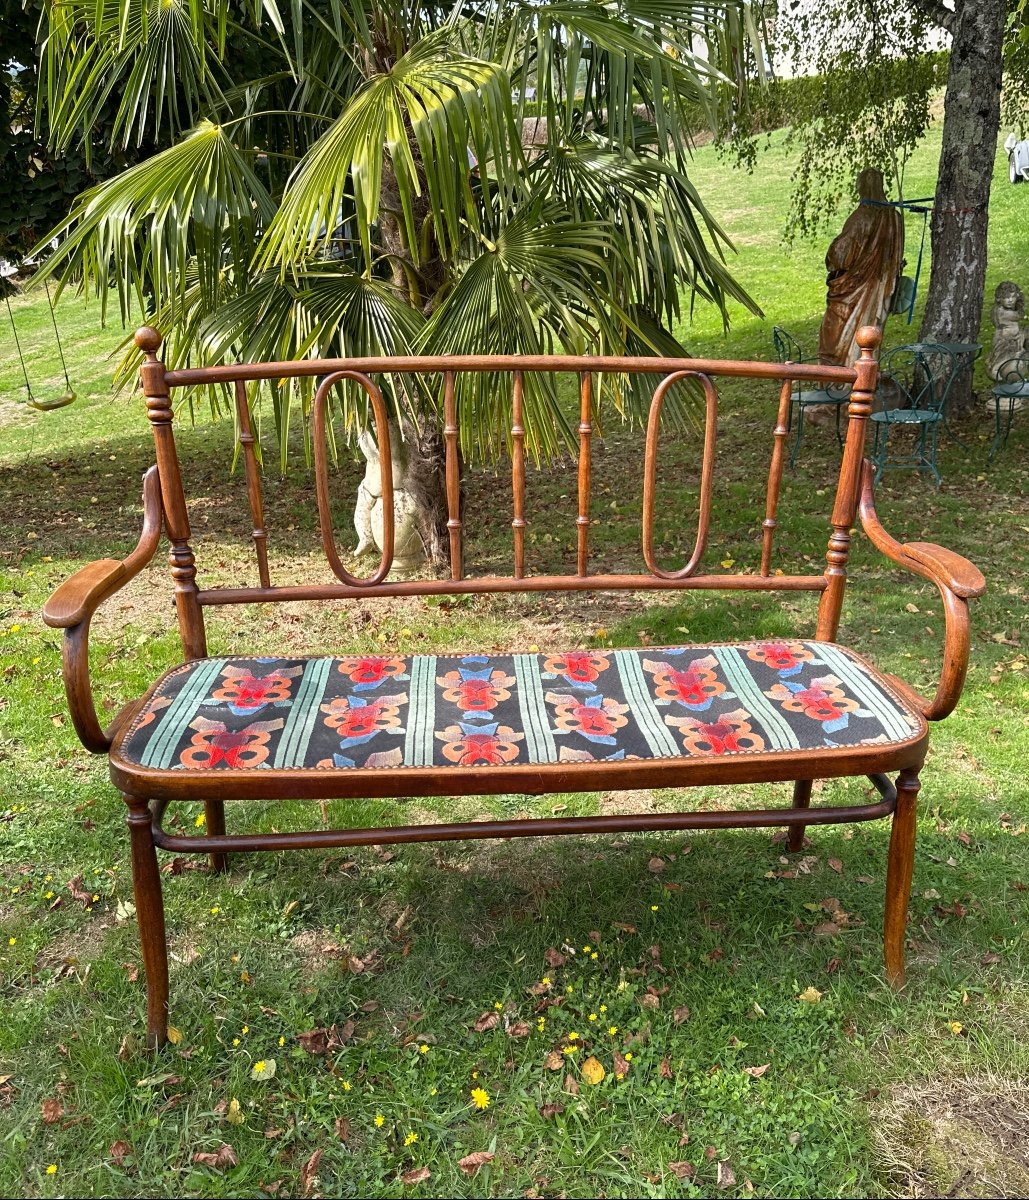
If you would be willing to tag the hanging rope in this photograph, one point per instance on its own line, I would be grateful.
(31, 399)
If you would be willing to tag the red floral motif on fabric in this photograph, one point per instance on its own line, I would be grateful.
(247, 693)
(730, 733)
(357, 721)
(786, 657)
(595, 718)
(215, 744)
(474, 694)
(822, 700)
(577, 666)
(474, 746)
(367, 670)
(695, 687)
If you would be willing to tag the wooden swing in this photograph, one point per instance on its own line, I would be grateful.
(32, 400)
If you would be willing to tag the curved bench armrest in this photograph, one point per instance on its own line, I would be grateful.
(958, 581)
(72, 605)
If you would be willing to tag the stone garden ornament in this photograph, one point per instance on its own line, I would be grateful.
(863, 264)
(408, 549)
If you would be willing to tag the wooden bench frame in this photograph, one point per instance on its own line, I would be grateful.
(164, 508)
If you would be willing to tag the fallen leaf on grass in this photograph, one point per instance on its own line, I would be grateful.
(810, 995)
(554, 958)
(343, 1128)
(418, 1175)
(621, 1065)
(264, 1068)
(836, 865)
(220, 1159)
(650, 1000)
(551, 1110)
(309, 1171)
(680, 1013)
(472, 1162)
(726, 1176)
(174, 1035)
(593, 1070)
(570, 1085)
(682, 1170)
(119, 1152)
(756, 1072)
(78, 892)
(518, 1029)
(665, 1069)
(656, 865)
(53, 1111)
(314, 1041)
(554, 1061)
(234, 1114)
(486, 1022)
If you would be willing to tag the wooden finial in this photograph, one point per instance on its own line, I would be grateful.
(868, 338)
(149, 340)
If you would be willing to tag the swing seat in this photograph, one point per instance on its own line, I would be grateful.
(51, 405)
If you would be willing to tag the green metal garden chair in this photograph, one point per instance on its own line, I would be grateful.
(1012, 393)
(788, 349)
(923, 373)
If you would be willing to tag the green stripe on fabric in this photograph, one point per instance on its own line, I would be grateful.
(421, 713)
(528, 727)
(649, 719)
(303, 714)
(161, 746)
(775, 725)
(533, 706)
(894, 721)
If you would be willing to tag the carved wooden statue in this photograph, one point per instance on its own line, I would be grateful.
(863, 264)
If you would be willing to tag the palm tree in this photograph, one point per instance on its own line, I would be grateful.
(365, 177)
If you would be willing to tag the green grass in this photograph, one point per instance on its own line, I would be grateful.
(413, 945)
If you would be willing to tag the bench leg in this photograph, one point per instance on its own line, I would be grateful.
(146, 880)
(898, 875)
(801, 799)
(214, 823)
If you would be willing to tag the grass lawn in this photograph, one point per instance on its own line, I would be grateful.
(421, 958)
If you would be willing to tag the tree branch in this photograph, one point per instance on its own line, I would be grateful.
(937, 12)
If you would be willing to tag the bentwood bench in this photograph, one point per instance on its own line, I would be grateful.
(217, 730)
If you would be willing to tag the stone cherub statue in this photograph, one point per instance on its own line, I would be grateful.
(863, 264)
(1009, 355)
(408, 549)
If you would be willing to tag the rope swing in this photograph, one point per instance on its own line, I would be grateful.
(41, 404)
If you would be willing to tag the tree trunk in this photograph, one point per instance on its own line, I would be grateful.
(971, 122)
(426, 479)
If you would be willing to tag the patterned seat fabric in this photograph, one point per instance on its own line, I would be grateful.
(373, 711)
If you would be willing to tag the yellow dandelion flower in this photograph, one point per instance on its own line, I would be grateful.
(541, 1023)
(573, 1036)
(569, 989)
(475, 1074)
(570, 1049)
(411, 1138)
(235, 1042)
(347, 1085)
(603, 1009)
(654, 908)
(380, 1120)
(545, 981)
(215, 910)
(12, 941)
(955, 1026)
(246, 1028)
(497, 1005)
(282, 1041)
(433, 1091)
(17, 629)
(612, 1030)
(52, 1169)
(586, 949)
(423, 1048)
(628, 1057)
(48, 896)
(480, 1098)
(259, 1066)
(199, 822)
(592, 1017)
(593, 956)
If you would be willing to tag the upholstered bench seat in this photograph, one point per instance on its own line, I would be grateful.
(504, 722)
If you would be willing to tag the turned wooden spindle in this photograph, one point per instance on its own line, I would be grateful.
(253, 476)
(775, 475)
(518, 476)
(173, 498)
(453, 477)
(582, 521)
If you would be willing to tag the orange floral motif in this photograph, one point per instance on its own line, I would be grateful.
(595, 718)
(358, 720)
(480, 745)
(476, 692)
(246, 693)
(822, 700)
(730, 733)
(785, 657)
(213, 743)
(694, 688)
(157, 703)
(367, 671)
(580, 668)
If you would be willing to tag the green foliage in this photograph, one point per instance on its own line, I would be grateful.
(859, 96)
(343, 177)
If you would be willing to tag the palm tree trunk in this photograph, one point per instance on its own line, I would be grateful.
(971, 122)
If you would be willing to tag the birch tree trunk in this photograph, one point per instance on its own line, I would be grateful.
(971, 123)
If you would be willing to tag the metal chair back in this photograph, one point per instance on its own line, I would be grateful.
(923, 373)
